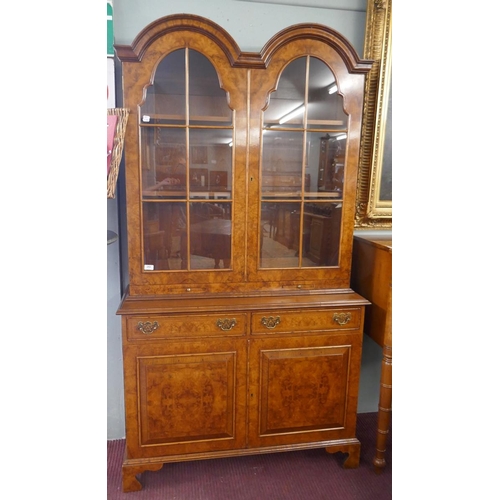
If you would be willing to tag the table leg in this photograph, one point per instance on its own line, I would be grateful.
(385, 399)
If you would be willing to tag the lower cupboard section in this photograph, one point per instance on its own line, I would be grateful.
(221, 395)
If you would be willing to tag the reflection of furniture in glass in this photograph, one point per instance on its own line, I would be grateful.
(155, 247)
(286, 225)
(212, 239)
(269, 217)
(323, 244)
(279, 182)
(331, 164)
(262, 355)
(372, 277)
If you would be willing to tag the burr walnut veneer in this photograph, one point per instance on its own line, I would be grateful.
(240, 331)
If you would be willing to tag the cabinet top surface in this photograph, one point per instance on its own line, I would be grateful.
(242, 302)
(383, 242)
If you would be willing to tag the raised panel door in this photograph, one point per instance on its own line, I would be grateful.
(186, 397)
(303, 389)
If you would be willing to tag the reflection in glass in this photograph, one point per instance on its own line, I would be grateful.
(210, 235)
(328, 153)
(302, 169)
(166, 98)
(163, 160)
(207, 101)
(282, 163)
(181, 155)
(321, 234)
(289, 97)
(210, 159)
(281, 225)
(279, 239)
(324, 109)
(164, 236)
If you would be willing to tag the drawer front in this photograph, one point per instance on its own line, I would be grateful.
(185, 326)
(303, 321)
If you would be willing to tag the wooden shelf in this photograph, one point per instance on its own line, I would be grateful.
(183, 118)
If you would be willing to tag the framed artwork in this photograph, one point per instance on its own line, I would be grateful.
(170, 155)
(374, 196)
(199, 155)
(218, 180)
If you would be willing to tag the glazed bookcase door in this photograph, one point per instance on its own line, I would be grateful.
(305, 164)
(188, 150)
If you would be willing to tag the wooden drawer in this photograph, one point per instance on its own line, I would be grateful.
(185, 326)
(269, 322)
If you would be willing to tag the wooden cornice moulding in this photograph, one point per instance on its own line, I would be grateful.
(179, 22)
(237, 58)
(323, 34)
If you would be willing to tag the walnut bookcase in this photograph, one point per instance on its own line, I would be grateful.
(240, 331)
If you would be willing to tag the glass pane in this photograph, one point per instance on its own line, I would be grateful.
(166, 98)
(286, 104)
(321, 234)
(279, 239)
(324, 109)
(282, 164)
(210, 160)
(210, 235)
(163, 161)
(325, 163)
(207, 101)
(300, 222)
(164, 236)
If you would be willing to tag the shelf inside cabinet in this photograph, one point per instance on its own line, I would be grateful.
(182, 118)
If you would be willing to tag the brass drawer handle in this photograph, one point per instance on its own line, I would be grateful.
(342, 318)
(147, 328)
(226, 324)
(271, 322)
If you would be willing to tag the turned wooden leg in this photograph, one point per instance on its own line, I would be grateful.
(129, 473)
(385, 399)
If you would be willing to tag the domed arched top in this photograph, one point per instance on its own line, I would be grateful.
(237, 58)
(322, 34)
(178, 22)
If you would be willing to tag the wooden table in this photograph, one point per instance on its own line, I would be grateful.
(212, 238)
(372, 278)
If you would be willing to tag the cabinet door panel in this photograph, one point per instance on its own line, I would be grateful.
(303, 389)
(187, 398)
(305, 163)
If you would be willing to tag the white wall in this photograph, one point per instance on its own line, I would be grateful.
(251, 23)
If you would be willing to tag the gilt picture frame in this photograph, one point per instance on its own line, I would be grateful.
(374, 195)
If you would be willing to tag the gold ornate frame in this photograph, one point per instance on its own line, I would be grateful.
(371, 210)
